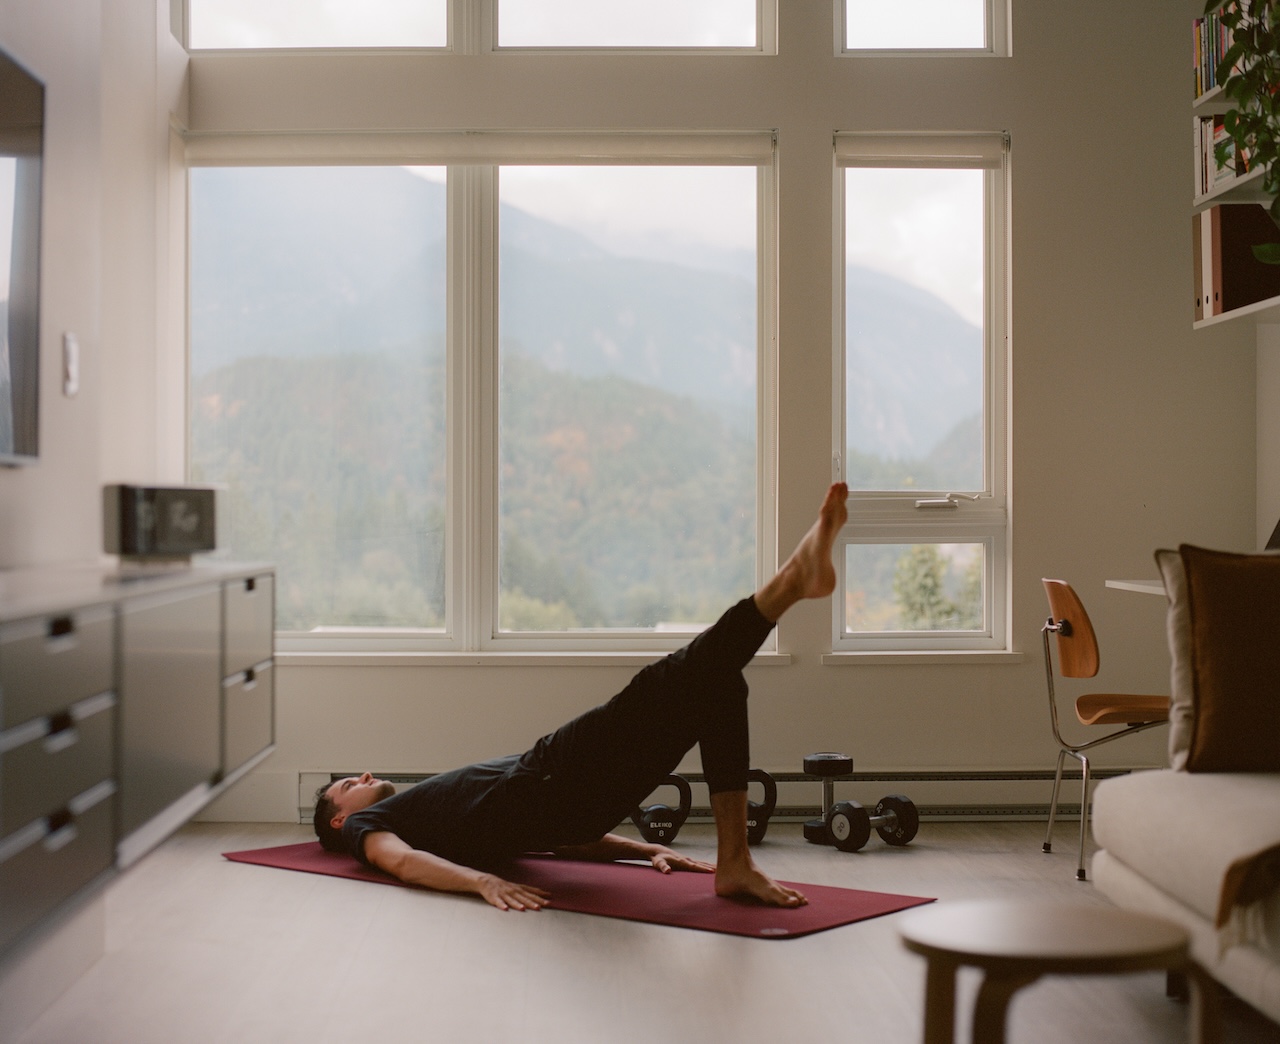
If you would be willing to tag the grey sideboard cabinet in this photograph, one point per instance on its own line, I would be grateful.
(128, 701)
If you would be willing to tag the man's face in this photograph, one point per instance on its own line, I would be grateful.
(355, 793)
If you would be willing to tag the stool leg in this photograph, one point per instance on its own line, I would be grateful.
(939, 1001)
(993, 1004)
(1205, 1014)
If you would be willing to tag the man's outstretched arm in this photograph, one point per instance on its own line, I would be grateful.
(387, 852)
(614, 846)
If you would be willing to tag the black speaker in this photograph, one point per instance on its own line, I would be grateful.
(158, 521)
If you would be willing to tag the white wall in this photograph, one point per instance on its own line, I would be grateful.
(48, 512)
(1130, 431)
(112, 75)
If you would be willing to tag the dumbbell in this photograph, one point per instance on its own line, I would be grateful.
(847, 824)
(895, 820)
(826, 764)
(758, 812)
(658, 824)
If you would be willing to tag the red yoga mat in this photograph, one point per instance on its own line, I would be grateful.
(633, 892)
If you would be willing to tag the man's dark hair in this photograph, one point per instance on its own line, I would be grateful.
(330, 839)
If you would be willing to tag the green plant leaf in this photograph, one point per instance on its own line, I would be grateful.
(1213, 5)
(1267, 253)
(1228, 61)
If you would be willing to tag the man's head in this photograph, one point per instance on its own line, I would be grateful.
(335, 801)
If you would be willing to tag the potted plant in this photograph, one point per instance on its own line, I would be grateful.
(1250, 74)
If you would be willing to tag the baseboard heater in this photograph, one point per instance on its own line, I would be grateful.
(789, 809)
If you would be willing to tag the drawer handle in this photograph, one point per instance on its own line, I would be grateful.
(61, 740)
(250, 679)
(60, 634)
(60, 838)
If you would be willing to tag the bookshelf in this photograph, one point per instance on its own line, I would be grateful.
(1228, 212)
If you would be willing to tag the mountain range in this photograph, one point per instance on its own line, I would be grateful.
(270, 279)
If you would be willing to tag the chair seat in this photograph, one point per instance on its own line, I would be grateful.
(1104, 708)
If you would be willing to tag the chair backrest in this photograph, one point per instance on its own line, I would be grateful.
(1077, 644)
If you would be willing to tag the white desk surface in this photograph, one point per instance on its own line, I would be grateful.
(1155, 587)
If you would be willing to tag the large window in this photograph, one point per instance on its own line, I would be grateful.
(317, 384)
(920, 372)
(628, 355)
(487, 405)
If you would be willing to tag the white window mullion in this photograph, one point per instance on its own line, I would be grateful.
(767, 377)
(482, 500)
(471, 326)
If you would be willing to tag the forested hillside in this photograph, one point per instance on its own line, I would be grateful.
(627, 405)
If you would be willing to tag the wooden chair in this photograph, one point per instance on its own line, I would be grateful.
(1078, 658)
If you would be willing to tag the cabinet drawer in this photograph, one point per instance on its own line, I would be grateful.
(44, 765)
(170, 714)
(49, 663)
(250, 611)
(249, 703)
(54, 861)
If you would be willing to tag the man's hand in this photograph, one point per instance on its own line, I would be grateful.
(666, 860)
(507, 895)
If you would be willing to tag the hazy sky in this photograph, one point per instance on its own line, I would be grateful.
(569, 23)
(926, 238)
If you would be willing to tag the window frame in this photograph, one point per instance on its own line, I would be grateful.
(473, 161)
(907, 516)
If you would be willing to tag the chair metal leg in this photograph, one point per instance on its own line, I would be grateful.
(1053, 803)
(1084, 814)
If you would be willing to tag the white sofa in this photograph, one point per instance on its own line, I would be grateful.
(1199, 843)
(1168, 841)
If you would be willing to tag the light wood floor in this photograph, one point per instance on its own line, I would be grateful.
(203, 950)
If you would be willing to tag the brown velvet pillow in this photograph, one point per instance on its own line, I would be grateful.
(1234, 603)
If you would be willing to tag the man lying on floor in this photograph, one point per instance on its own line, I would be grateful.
(574, 785)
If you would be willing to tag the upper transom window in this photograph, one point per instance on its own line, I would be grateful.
(268, 24)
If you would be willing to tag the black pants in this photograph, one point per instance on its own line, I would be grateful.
(596, 769)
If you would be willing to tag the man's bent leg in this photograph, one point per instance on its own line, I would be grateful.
(605, 761)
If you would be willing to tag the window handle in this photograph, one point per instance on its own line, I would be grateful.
(951, 500)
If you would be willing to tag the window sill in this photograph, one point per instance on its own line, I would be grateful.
(492, 659)
(923, 657)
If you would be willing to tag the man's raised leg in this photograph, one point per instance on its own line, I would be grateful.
(807, 573)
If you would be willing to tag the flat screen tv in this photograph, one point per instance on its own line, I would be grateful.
(21, 153)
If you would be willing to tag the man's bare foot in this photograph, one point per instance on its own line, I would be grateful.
(809, 572)
(746, 882)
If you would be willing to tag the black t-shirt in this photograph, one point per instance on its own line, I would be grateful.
(478, 815)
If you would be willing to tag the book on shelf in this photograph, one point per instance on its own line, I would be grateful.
(1210, 132)
(1209, 42)
(1227, 275)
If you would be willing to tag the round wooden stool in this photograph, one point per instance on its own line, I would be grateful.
(1016, 942)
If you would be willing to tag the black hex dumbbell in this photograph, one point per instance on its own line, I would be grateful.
(828, 765)
(847, 824)
(895, 819)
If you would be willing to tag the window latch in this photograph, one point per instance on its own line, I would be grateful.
(951, 500)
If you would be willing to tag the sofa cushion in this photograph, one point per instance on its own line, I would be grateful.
(1178, 627)
(1224, 619)
(1192, 835)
